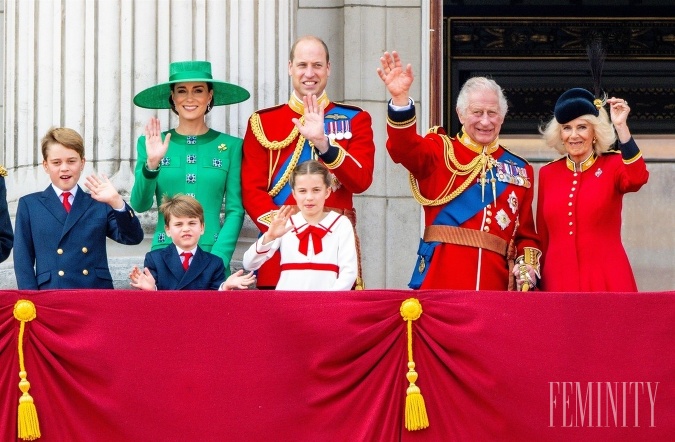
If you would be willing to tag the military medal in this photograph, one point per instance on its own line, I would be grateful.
(331, 131)
(348, 132)
(512, 174)
(340, 133)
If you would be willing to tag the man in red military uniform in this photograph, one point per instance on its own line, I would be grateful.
(477, 196)
(308, 126)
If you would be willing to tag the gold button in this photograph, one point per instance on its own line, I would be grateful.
(488, 221)
(569, 204)
(569, 213)
(61, 273)
(85, 272)
(571, 195)
(486, 229)
(571, 223)
(489, 213)
(59, 251)
(574, 182)
(571, 232)
(573, 189)
(85, 250)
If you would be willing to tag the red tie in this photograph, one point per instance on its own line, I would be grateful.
(317, 234)
(66, 202)
(186, 260)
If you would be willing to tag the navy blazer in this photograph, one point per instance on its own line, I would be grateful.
(6, 234)
(206, 271)
(68, 250)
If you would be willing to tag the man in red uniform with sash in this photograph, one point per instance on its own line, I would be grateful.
(477, 196)
(308, 126)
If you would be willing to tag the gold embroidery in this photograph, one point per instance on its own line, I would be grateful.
(479, 165)
(291, 165)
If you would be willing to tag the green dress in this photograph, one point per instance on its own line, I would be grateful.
(207, 167)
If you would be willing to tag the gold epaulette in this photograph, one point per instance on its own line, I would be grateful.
(3, 171)
(259, 133)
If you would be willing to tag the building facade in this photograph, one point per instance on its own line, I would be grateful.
(78, 63)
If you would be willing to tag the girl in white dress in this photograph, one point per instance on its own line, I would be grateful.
(318, 249)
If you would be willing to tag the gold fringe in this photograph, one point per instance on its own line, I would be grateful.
(415, 409)
(28, 424)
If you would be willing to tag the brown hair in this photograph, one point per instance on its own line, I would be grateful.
(66, 137)
(180, 206)
(308, 38)
(311, 167)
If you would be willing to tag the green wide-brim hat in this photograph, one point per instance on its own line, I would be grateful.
(157, 97)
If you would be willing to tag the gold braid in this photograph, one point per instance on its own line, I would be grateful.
(473, 168)
(291, 165)
(256, 128)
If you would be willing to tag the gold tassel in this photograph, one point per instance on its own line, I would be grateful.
(415, 410)
(28, 425)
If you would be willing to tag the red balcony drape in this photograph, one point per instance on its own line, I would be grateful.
(317, 366)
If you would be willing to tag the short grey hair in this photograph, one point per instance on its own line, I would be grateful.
(476, 84)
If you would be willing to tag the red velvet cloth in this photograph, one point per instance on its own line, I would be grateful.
(277, 366)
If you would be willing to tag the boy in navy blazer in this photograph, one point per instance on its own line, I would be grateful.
(6, 234)
(184, 265)
(60, 233)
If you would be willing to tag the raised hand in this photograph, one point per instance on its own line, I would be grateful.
(618, 112)
(142, 279)
(278, 226)
(102, 190)
(154, 146)
(397, 79)
(312, 127)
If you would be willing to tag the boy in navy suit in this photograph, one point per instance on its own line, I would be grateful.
(184, 265)
(6, 234)
(60, 233)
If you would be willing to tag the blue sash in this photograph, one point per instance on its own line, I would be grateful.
(457, 212)
(337, 113)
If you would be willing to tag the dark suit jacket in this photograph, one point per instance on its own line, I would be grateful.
(68, 250)
(206, 271)
(6, 235)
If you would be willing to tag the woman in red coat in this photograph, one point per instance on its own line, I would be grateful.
(580, 195)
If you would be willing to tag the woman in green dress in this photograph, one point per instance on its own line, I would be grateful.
(191, 159)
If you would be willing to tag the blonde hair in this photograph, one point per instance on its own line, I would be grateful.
(64, 136)
(180, 206)
(602, 129)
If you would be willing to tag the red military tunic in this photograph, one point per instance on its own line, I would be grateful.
(579, 223)
(269, 142)
(456, 266)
